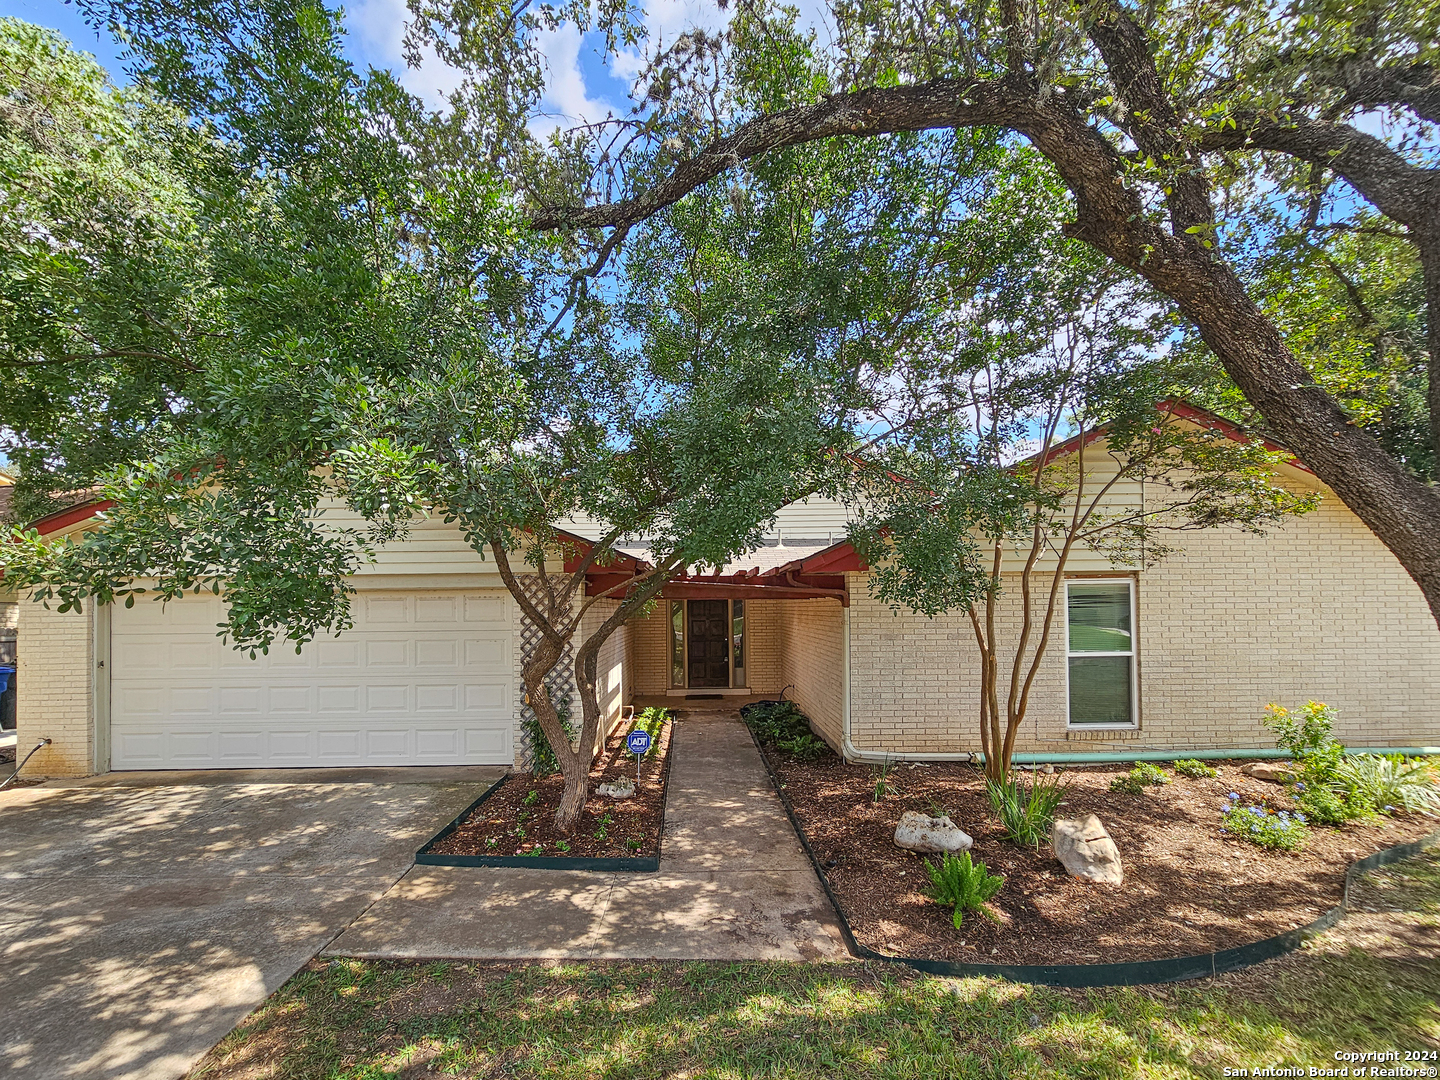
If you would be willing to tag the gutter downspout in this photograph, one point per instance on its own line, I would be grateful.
(851, 753)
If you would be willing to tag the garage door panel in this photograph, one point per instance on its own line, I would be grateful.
(291, 700)
(384, 746)
(339, 746)
(487, 609)
(436, 609)
(144, 749)
(421, 677)
(242, 747)
(344, 699)
(434, 743)
(337, 654)
(487, 742)
(234, 700)
(387, 700)
(285, 747)
(490, 699)
(158, 656)
(490, 653)
(138, 701)
(386, 610)
(192, 747)
(441, 653)
(387, 652)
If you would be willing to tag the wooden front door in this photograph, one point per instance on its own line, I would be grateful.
(708, 629)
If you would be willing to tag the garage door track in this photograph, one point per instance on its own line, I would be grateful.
(139, 923)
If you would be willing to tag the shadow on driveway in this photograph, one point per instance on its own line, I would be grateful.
(139, 923)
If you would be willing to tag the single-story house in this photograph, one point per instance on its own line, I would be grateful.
(1187, 655)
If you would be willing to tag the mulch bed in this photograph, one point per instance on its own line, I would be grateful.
(1189, 888)
(505, 824)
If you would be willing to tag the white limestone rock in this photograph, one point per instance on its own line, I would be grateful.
(1085, 849)
(622, 788)
(920, 832)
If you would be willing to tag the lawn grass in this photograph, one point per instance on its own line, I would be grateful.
(1372, 984)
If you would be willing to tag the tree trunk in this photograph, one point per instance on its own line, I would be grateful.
(1403, 512)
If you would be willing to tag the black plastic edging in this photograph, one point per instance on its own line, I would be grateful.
(1134, 973)
(426, 857)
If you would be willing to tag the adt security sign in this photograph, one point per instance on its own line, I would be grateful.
(638, 743)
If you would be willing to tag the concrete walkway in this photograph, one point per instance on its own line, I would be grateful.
(733, 883)
(142, 917)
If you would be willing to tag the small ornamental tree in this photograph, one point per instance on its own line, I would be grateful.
(1065, 413)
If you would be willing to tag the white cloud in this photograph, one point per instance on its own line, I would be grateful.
(377, 28)
(567, 101)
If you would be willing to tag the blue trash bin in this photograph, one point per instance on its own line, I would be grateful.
(5, 675)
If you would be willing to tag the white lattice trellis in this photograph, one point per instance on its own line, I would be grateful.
(560, 681)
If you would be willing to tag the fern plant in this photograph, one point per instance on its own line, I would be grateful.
(961, 885)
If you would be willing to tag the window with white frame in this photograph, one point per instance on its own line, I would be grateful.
(1100, 617)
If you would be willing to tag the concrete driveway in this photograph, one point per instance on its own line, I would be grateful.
(142, 916)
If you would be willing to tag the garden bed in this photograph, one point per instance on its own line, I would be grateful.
(1189, 888)
(513, 824)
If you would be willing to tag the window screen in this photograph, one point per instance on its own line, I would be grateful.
(1102, 652)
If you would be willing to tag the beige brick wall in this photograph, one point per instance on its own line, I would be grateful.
(648, 646)
(56, 690)
(766, 627)
(812, 637)
(610, 663)
(1316, 609)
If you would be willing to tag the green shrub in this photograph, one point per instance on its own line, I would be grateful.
(651, 721)
(806, 747)
(1306, 735)
(775, 720)
(1194, 769)
(961, 885)
(1026, 812)
(1280, 831)
(1387, 782)
(1144, 774)
(1326, 804)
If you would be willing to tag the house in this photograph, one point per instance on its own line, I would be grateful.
(1189, 654)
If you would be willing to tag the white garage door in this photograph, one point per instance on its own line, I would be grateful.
(422, 679)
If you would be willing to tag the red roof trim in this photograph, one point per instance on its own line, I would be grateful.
(1185, 411)
(837, 559)
(63, 519)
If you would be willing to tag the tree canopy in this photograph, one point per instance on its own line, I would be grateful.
(1211, 149)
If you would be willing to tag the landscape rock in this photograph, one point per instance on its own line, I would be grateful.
(622, 788)
(1276, 772)
(1085, 849)
(920, 832)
